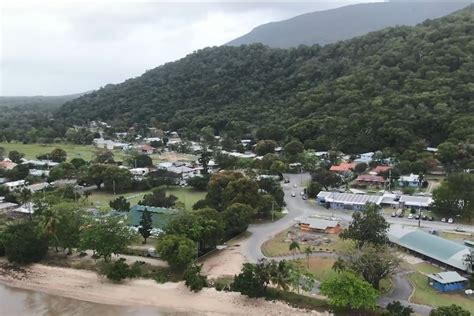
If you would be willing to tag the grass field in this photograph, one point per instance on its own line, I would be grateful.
(33, 150)
(187, 196)
(278, 247)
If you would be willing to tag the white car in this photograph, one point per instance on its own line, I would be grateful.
(293, 194)
(450, 220)
(410, 216)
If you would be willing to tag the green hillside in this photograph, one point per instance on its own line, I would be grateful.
(399, 87)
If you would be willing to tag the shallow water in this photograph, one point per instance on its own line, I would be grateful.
(19, 302)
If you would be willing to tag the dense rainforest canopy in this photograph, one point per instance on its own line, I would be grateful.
(391, 88)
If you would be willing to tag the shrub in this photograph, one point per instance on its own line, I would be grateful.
(117, 271)
(193, 278)
(24, 243)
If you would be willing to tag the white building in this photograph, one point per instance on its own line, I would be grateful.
(15, 185)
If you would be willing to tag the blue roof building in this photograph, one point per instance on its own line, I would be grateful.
(449, 281)
(159, 215)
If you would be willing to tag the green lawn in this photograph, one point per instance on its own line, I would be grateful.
(187, 196)
(278, 247)
(32, 150)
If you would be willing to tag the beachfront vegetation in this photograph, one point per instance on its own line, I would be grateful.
(346, 290)
(193, 278)
(178, 250)
(24, 243)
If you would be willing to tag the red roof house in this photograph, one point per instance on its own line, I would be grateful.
(343, 167)
(370, 179)
(381, 169)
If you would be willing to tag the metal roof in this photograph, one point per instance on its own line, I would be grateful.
(447, 277)
(349, 198)
(432, 246)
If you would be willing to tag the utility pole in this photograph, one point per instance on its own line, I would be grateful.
(113, 185)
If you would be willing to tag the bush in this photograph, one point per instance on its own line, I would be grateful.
(193, 278)
(117, 271)
(24, 244)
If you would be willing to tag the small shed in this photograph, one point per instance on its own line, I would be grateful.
(449, 281)
(319, 225)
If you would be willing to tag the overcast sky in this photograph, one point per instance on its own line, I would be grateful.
(64, 47)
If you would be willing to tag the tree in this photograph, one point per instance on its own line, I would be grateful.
(280, 274)
(308, 251)
(193, 278)
(117, 271)
(140, 161)
(116, 179)
(396, 308)
(96, 174)
(48, 223)
(243, 190)
(158, 198)
(451, 310)
(372, 263)
(198, 182)
(179, 251)
(15, 156)
(326, 178)
(294, 147)
(294, 246)
(360, 167)
(146, 225)
(58, 155)
(265, 147)
(346, 290)
(78, 162)
(2, 153)
(237, 218)
(106, 236)
(313, 189)
(64, 170)
(253, 279)
(71, 220)
(120, 204)
(19, 172)
(24, 243)
(204, 158)
(367, 226)
(455, 196)
(104, 156)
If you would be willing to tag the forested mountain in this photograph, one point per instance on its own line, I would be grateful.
(394, 88)
(329, 26)
(29, 118)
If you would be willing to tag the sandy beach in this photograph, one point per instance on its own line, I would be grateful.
(169, 297)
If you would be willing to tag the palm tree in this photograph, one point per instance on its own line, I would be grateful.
(308, 251)
(280, 274)
(49, 221)
(294, 246)
(25, 198)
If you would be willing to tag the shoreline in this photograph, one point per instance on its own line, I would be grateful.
(169, 297)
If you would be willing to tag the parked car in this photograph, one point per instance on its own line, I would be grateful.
(293, 194)
(304, 197)
(295, 186)
(424, 217)
(443, 220)
(450, 220)
(410, 216)
(417, 216)
(287, 180)
(301, 193)
(394, 214)
(459, 229)
(431, 218)
(433, 232)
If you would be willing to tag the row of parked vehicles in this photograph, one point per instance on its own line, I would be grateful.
(400, 213)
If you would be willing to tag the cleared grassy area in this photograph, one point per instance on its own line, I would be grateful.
(320, 267)
(456, 236)
(278, 247)
(85, 152)
(187, 196)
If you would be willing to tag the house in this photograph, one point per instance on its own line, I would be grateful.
(40, 163)
(345, 167)
(140, 172)
(449, 281)
(413, 180)
(147, 149)
(7, 206)
(417, 202)
(441, 251)
(365, 158)
(368, 179)
(160, 215)
(319, 225)
(7, 164)
(109, 144)
(38, 187)
(347, 201)
(380, 169)
(15, 185)
(39, 173)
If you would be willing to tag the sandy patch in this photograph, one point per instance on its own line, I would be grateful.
(87, 286)
(410, 259)
(226, 262)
